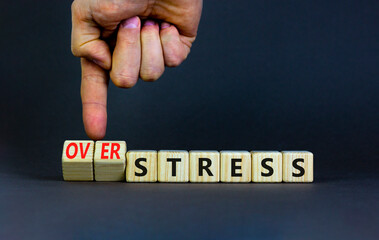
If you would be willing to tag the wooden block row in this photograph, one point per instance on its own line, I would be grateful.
(110, 161)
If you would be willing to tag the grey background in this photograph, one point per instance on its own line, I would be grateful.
(276, 75)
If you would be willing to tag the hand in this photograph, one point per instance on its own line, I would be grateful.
(168, 30)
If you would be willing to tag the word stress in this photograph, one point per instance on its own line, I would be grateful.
(110, 161)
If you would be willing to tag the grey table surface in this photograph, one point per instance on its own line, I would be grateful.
(35, 203)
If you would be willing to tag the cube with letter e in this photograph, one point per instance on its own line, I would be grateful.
(235, 166)
(110, 160)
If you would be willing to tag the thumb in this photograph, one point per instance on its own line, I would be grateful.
(85, 38)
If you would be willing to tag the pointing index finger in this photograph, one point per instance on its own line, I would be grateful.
(94, 88)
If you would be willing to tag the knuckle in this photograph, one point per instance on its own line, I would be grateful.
(148, 37)
(77, 7)
(106, 10)
(110, 7)
(174, 60)
(93, 78)
(94, 103)
(123, 80)
(151, 74)
(131, 40)
(150, 32)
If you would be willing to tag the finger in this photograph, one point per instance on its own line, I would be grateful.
(94, 99)
(152, 62)
(126, 58)
(175, 50)
(85, 37)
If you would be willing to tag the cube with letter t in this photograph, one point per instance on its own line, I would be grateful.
(110, 160)
(173, 166)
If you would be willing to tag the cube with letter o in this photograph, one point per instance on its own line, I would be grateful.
(77, 160)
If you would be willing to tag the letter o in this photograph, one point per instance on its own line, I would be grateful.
(68, 150)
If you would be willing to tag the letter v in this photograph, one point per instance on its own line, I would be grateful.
(83, 154)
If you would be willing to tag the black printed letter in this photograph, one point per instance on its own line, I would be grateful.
(143, 168)
(234, 167)
(269, 168)
(173, 160)
(298, 167)
(206, 167)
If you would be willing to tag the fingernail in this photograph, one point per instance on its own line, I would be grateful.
(165, 25)
(130, 23)
(149, 23)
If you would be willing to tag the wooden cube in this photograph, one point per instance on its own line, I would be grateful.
(142, 166)
(297, 166)
(173, 166)
(266, 166)
(204, 166)
(110, 160)
(77, 160)
(235, 166)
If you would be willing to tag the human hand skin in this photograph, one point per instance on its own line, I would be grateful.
(151, 34)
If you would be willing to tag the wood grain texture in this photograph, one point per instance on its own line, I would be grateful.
(165, 167)
(293, 162)
(202, 159)
(110, 160)
(148, 159)
(77, 160)
(266, 166)
(242, 162)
